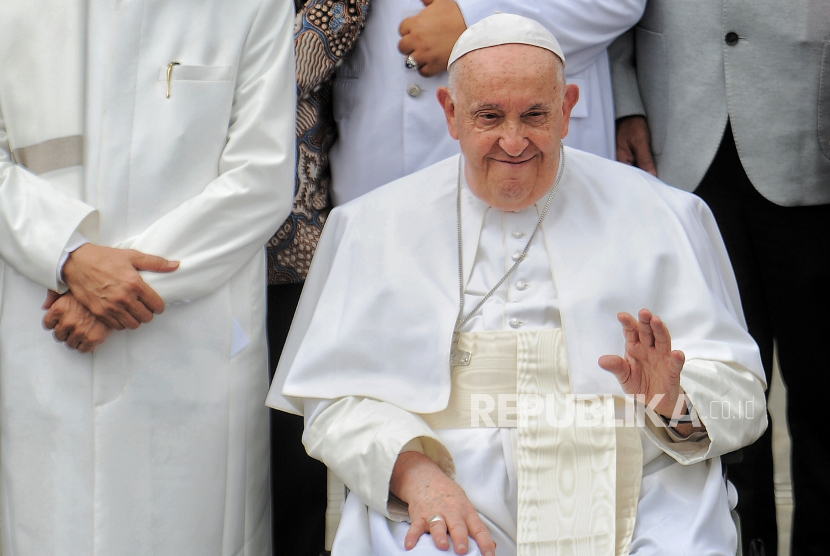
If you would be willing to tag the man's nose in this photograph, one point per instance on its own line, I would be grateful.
(512, 140)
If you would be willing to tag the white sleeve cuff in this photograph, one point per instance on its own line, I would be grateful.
(76, 240)
(685, 450)
(360, 440)
(729, 400)
(397, 509)
(694, 436)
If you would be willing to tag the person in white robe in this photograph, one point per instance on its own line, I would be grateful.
(375, 89)
(456, 353)
(146, 155)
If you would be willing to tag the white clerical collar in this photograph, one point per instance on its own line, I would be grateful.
(473, 210)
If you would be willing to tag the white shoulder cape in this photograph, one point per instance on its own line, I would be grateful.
(377, 312)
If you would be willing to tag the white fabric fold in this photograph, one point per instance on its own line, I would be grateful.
(157, 442)
(41, 130)
(372, 435)
(729, 400)
(366, 281)
(637, 453)
(584, 30)
(54, 32)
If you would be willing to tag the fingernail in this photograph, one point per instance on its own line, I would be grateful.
(462, 547)
(488, 554)
(409, 544)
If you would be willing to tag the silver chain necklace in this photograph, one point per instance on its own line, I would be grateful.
(458, 357)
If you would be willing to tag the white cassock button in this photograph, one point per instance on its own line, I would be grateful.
(518, 234)
(521, 285)
(517, 255)
(413, 90)
(516, 323)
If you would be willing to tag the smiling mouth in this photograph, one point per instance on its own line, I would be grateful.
(514, 162)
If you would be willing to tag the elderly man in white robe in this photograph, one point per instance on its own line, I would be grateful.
(457, 356)
(146, 155)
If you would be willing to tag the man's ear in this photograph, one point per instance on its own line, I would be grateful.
(568, 101)
(446, 100)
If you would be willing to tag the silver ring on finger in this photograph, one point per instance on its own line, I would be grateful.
(412, 64)
(436, 519)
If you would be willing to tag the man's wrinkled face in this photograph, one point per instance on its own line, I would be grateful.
(509, 109)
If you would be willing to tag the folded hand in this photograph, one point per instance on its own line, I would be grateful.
(106, 281)
(73, 324)
(430, 35)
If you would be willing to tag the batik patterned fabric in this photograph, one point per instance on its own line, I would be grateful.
(324, 32)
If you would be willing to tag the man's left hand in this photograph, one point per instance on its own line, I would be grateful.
(649, 367)
(430, 35)
(73, 324)
(106, 281)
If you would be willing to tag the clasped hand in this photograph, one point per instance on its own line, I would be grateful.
(106, 293)
(430, 35)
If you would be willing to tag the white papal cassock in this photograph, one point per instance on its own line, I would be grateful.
(367, 357)
(158, 442)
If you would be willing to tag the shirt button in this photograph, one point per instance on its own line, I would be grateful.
(413, 90)
(518, 234)
(516, 256)
(731, 38)
(516, 323)
(521, 285)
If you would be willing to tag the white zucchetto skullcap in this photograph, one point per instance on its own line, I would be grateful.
(501, 29)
